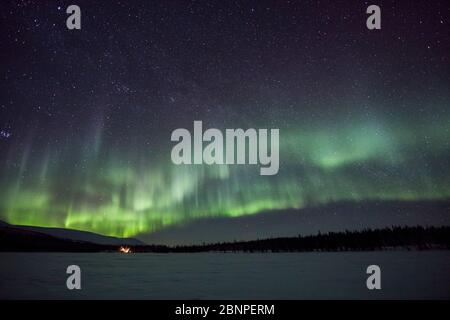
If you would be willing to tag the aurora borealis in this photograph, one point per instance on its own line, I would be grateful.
(86, 116)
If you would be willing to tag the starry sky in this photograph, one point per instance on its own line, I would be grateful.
(86, 115)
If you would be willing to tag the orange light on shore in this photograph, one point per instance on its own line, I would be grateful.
(125, 249)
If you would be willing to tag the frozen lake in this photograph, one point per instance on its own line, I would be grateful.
(405, 275)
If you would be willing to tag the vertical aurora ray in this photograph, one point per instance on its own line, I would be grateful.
(118, 196)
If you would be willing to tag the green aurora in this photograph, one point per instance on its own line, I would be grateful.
(122, 194)
(86, 115)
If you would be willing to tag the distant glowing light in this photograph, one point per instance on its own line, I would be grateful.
(125, 250)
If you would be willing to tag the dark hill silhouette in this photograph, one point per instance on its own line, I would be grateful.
(77, 235)
(15, 239)
(416, 238)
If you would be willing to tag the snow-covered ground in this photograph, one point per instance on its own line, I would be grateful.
(405, 275)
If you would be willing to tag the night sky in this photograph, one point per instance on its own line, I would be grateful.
(86, 115)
